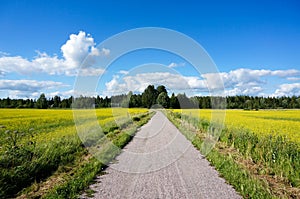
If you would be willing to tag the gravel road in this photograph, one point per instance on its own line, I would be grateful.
(161, 163)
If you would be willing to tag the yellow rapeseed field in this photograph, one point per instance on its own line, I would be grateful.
(263, 122)
(51, 124)
(35, 143)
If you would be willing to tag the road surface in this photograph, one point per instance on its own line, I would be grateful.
(161, 163)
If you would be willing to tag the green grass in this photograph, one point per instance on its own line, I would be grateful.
(276, 157)
(22, 164)
(279, 156)
(241, 179)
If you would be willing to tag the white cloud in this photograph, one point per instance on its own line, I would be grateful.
(28, 88)
(245, 81)
(28, 85)
(241, 81)
(47, 64)
(91, 71)
(105, 51)
(286, 73)
(244, 75)
(139, 82)
(293, 78)
(15, 64)
(77, 49)
(124, 72)
(288, 90)
(72, 92)
(257, 90)
(18, 94)
(113, 85)
(173, 65)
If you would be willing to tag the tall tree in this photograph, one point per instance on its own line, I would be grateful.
(161, 89)
(42, 102)
(126, 99)
(149, 96)
(56, 101)
(174, 103)
(184, 101)
(135, 101)
(163, 99)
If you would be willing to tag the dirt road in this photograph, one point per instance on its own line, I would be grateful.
(161, 163)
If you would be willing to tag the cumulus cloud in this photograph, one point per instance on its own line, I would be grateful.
(77, 48)
(27, 88)
(286, 73)
(245, 81)
(18, 94)
(78, 51)
(288, 90)
(140, 81)
(28, 85)
(244, 75)
(241, 81)
(72, 92)
(255, 90)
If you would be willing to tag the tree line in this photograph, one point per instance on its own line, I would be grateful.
(156, 97)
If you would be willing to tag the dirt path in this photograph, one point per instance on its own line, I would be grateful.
(161, 163)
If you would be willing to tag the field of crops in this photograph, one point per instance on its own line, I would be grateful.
(284, 123)
(52, 124)
(35, 143)
(38, 144)
(258, 152)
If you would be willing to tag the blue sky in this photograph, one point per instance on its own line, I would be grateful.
(255, 45)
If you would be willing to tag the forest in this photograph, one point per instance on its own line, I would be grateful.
(156, 97)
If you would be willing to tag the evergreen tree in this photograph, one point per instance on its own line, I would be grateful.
(174, 103)
(42, 102)
(161, 89)
(163, 100)
(149, 96)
